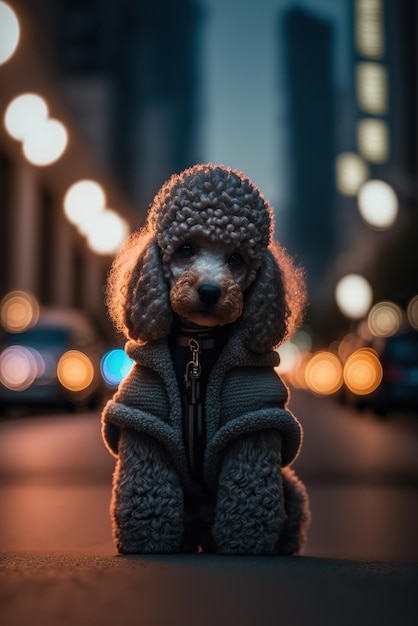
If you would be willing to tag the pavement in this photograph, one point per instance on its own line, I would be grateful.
(209, 590)
(58, 564)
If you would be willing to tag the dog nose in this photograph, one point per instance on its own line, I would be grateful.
(209, 294)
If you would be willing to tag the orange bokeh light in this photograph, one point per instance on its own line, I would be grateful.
(324, 373)
(75, 371)
(19, 310)
(363, 372)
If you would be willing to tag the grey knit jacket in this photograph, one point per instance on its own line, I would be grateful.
(243, 394)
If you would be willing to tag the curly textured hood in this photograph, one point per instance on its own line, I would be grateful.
(216, 202)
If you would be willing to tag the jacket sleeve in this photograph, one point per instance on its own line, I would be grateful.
(253, 399)
(141, 402)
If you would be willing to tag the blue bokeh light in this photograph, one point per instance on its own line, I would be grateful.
(115, 365)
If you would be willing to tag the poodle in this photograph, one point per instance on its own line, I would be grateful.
(200, 428)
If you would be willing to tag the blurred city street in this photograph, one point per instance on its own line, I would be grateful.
(315, 103)
(362, 478)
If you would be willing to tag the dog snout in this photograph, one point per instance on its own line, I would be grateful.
(209, 294)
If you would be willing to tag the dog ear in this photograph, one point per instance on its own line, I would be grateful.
(274, 302)
(138, 295)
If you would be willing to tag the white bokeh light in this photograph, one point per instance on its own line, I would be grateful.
(373, 139)
(351, 172)
(378, 204)
(83, 203)
(9, 32)
(354, 296)
(412, 312)
(289, 354)
(25, 113)
(46, 143)
(384, 319)
(108, 233)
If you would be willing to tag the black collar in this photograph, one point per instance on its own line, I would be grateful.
(207, 336)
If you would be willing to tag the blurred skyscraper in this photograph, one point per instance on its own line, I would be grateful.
(311, 115)
(131, 70)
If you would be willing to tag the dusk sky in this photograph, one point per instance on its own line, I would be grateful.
(244, 104)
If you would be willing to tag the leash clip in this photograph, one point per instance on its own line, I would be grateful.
(193, 367)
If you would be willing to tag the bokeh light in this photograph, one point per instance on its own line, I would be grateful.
(363, 371)
(347, 345)
(19, 310)
(354, 296)
(369, 29)
(289, 356)
(324, 373)
(115, 366)
(46, 143)
(18, 367)
(25, 113)
(83, 202)
(75, 371)
(373, 139)
(384, 319)
(296, 377)
(108, 233)
(372, 87)
(351, 172)
(412, 312)
(378, 204)
(9, 32)
(303, 340)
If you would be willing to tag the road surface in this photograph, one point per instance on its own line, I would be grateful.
(58, 564)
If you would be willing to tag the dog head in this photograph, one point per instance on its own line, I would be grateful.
(206, 254)
(212, 226)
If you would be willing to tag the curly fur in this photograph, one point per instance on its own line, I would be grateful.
(224, 207)
(250, 510)
(147, 499)
(259, 507)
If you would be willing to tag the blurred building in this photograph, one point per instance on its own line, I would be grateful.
(344, 137)
(122, 79)
(381, 138)
(130, 72)
(312, 127)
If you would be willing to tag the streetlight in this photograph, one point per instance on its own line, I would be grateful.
(44, 139)
(108, 233)
(354, 296)
(24, 113)
(9, 32)
(46, 143)
(378, 204)
(83, 202)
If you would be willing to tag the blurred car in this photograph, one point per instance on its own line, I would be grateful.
(56, 362)
(398, 389)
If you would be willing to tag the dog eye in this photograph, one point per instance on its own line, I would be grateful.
(235, 260)
(185, 251)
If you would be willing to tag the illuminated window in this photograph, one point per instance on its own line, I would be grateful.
(371, 81)
(369, 34)
(351, 172)
(373, 140)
